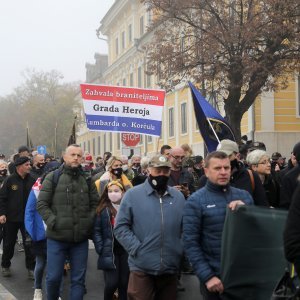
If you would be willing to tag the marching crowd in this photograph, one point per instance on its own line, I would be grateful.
(150, 218)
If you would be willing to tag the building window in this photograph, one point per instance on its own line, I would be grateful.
(183, 118)
(110, 141)
(141, 139)
(197, 126)
(141, 25)
(149, 139)
(171, 122)
(118, 141)
(148, 80)
(124, 81)
(94, 146)
(130, 33)
(84, 146)
(89, 147)
(131, 79)
(139, 76)
(117, 46)
(104, 142)
(123, 40)
(99, 145)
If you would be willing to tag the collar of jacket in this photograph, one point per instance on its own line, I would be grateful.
(217, 188)
(150, 189)
(75, 172)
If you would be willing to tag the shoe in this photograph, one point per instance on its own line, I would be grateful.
(180, 287)
(6, 272)
(21, 248)
(30, 275)
(38, 294)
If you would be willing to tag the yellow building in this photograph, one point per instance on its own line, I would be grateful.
(275, 119)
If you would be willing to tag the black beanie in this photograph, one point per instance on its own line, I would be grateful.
(21, 160)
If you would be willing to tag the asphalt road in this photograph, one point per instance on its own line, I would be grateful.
(22, 288)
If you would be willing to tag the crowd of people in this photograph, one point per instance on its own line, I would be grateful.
(150, 218)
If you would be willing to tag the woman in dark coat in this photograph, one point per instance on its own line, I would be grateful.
(112, 256)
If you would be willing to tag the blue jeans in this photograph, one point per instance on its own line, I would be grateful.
(40, 265)
(56, 255)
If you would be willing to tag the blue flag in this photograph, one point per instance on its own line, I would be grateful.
(212, 125)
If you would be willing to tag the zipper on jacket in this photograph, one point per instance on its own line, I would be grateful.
(161, 232)
(68, 196)
(113, 239)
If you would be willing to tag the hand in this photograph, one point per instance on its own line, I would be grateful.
(277, 168)
(185, 191)
(2, 219)
(178, 187)
(233, 204)
(214, 285)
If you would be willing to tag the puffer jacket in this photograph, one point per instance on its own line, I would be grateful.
(203, 221)
(69, 209)
(104, 240)
(149, 227)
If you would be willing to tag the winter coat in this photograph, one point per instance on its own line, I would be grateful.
(149, 228)
(289, 184)
(203, 221)
(69, 208)
(104, 240)
(291, 234)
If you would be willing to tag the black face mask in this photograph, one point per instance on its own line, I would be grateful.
(159, 183)
(40, 165)
(3, 172)
(136, 165)
(234, 164)
(117, 172)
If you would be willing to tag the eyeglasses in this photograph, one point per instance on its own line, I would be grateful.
(178, 157)
(265, 162)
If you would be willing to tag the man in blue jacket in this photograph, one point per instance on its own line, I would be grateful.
(203, 220)
(149, 226)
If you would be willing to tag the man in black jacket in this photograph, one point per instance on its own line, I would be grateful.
(289, 181)
(292, 232)
(13, 198)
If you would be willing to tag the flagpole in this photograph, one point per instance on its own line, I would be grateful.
(213, 129)
(55, 139)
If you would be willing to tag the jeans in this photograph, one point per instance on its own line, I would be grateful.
(40, 265)
(56, 255)
(117, 279)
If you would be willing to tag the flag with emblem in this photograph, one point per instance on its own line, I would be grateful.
(213, 127)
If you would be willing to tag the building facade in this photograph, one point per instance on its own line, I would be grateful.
(274, 119)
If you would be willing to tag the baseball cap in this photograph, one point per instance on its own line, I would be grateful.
(276, 156)
(159, 161)
(228, 147)
(296, 151)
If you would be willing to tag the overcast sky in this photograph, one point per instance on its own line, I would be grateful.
(47, 35)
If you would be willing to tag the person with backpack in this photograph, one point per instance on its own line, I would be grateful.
(112, 256)
(67, 203)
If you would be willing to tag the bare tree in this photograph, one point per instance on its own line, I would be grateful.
(239, 46)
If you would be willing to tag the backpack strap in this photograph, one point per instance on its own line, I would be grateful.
(55, 178)
(251, 179)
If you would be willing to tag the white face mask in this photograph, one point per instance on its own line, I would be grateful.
(115, 197)
(125, 168)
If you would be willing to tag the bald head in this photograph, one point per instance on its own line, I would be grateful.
(176, 157)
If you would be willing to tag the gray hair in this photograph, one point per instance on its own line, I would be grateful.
(255, 156)
(145, 162)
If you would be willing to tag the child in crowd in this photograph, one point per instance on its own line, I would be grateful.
(112, 256)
